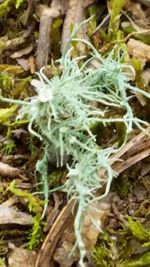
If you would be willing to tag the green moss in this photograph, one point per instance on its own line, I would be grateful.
(140, 262)
(56, 37)
(115, 8)
(122, 185)
(56, 177)
(131, 242)
(2, 262)
(92, 23)
(6, 114)
(5, 7)
(10, 69)
(8, 148)
(145, 38)
(31, 145)
(34, 205)
(5, 82)
(19, 3)
(20, 89)
(35, 233)
(138, 230)
(102, 253)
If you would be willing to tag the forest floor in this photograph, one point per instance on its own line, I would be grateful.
(33, 34)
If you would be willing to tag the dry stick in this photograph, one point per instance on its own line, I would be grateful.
(28, 12)
(48, 247)
(47, 250)
(136, 140)
(131, 161)
(74, 16)
(46, 16)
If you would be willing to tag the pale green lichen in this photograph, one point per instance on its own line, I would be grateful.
(61, 115)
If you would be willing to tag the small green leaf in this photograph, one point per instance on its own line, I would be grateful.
(35, 206)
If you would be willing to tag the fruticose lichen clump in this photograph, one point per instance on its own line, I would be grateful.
(62, 115)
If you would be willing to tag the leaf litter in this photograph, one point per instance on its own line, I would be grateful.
(129, 213)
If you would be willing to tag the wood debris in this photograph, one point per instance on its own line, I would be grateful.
(20, 257)
(9, 215)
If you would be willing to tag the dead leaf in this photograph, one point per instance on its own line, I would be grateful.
(95, 217)
(23, 63)
(20, 257)
(138, 49)
(22, 52)
(135, 9)
(11, 172)
(10, 201)
(94, 221)
(145, 75)
(9, 215)
(8, 171)
(62, 253)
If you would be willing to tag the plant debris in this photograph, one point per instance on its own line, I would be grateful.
(74, 95)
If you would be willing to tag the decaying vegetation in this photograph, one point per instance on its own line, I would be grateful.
(74, 115)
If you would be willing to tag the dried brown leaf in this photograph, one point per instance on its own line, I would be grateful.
(9, 215)
(22, 52)
(138, 49)
(94, 219)
(8, 171)
(20, 257)
(145, 75)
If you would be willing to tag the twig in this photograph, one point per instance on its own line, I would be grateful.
(46, 16)
(132, 161)
(47, 250)
(75, 11)
(48, 247)
(28, 12)
(74, 16)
